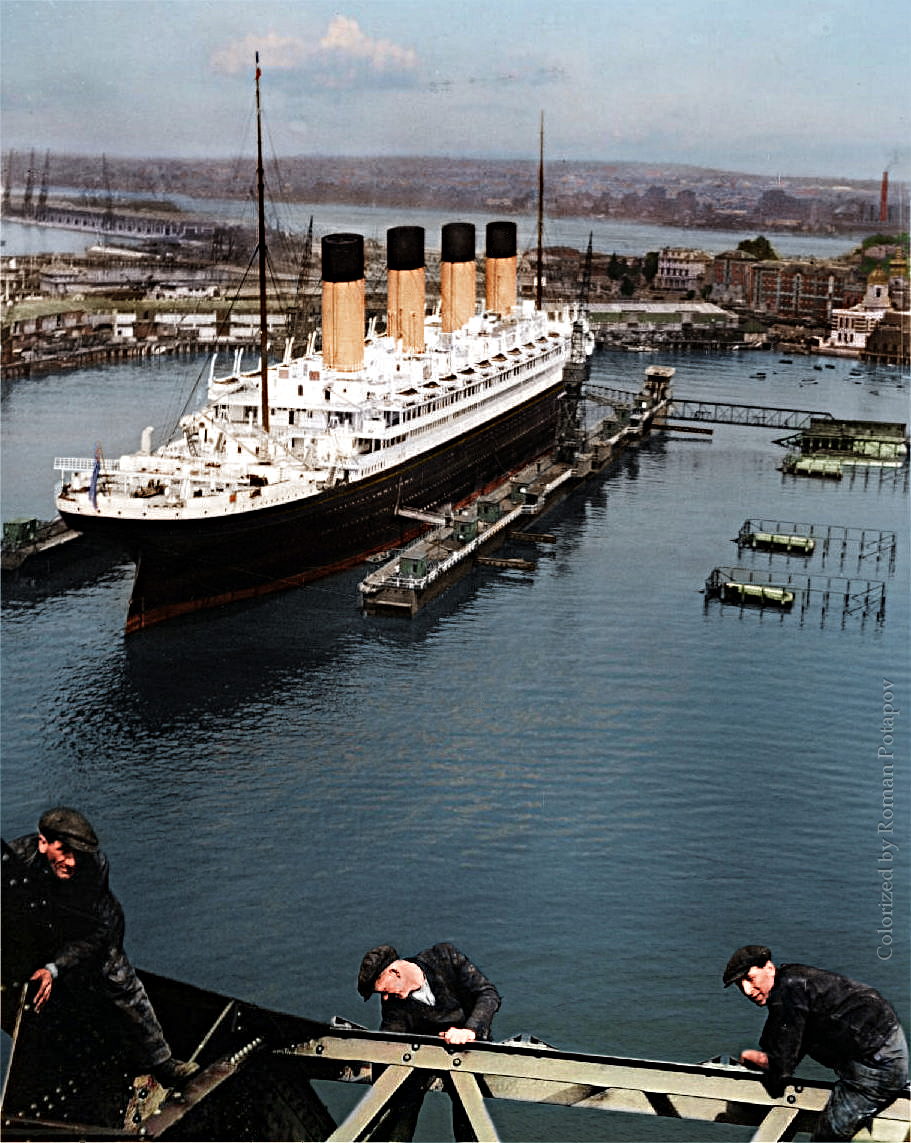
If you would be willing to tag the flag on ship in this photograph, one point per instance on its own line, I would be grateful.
(93, 482)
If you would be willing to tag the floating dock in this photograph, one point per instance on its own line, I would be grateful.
(777, 541)
(26, 539)
(460, 540)
(826, 447)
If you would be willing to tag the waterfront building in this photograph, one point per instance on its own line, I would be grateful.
(805, 291)
(730, 276)
(853, 325)
(680, 269)
(634, 324)
(877, 328)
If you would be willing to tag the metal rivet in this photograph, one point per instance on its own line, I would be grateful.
(456, 1062)
(792, 1099)
(319, 1049)
(406, 1057)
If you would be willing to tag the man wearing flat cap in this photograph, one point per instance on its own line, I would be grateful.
(839, 1023)
(438, 992)
(77, 928)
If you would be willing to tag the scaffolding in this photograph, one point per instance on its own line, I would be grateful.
(861, 597)
(831, 541)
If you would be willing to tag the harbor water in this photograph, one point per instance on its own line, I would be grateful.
(589, 777)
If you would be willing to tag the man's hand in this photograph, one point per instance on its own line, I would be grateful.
(458, 1035)
(754, 1059)
(46, 983)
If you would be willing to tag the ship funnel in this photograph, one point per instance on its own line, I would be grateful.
(343, 301)
(500, 281)
(457, 271)
(405, 284)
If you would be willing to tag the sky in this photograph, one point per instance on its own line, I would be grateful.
(787, 87)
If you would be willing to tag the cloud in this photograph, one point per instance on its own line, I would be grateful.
(345, 57)
(283, 53)
(345, 38)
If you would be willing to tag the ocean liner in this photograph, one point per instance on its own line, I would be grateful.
(302, 467)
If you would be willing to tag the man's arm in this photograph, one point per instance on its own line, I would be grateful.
(485, 1000)
(782, 1037)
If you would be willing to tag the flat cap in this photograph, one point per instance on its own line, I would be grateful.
(372, 966)
(70, 827)
(745, 958)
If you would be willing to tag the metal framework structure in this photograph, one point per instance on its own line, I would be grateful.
(833, 540)
(719, 412)
(527, 1070)
(760, 416)
(854, 596)
(67, 1079)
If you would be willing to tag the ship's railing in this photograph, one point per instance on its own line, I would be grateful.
(84, 464)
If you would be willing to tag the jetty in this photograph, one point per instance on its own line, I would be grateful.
(465, 539)
(25, 539)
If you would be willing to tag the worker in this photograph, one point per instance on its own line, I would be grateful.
(841, 1024)
(77, 929)
(438, 992)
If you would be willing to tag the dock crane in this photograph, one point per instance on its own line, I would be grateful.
(570, 433)
(297, 325)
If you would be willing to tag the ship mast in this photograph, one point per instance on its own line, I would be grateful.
(539, 285)
(263, 319)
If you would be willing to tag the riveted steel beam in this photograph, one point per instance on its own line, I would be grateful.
(536, 1073)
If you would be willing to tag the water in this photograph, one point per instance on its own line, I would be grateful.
(586, 777)
(609, 236)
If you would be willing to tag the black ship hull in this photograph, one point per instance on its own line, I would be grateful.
(190, 565)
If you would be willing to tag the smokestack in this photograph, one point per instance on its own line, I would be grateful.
(884, 198)
(457, 271)
(500, 280)
(343, 301)
(405, 285)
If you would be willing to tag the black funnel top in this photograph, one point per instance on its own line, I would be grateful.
(405, 248)
(458, 242)
(501, 240)
(343, 257)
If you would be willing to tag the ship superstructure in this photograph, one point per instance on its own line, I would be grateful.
(429, 411)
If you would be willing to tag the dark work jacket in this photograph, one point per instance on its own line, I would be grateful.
(73, 923)
(824, 1015)
(464, 997)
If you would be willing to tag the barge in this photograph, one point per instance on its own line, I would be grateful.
(422, 571)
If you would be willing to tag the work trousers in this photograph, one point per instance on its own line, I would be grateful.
(863, 1089)
(123, 987)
